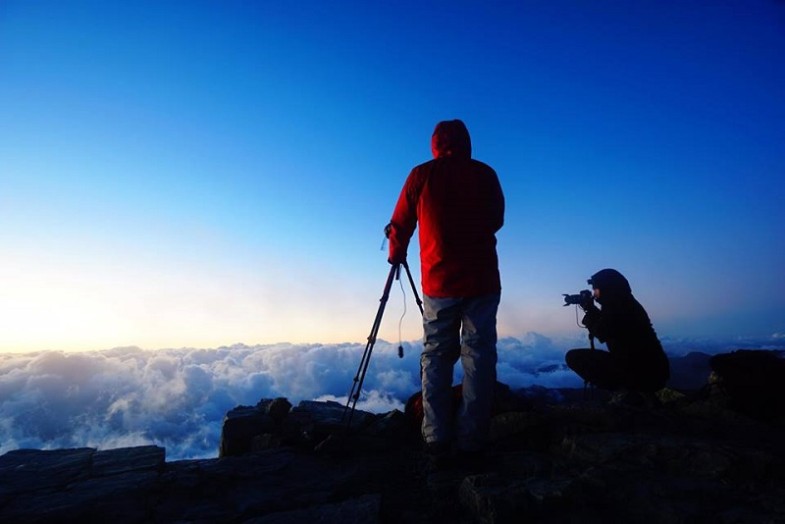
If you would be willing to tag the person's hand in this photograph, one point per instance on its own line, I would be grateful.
(587, 301)
(396, 258)
(591, 317)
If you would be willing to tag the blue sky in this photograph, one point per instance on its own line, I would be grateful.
(207, 173)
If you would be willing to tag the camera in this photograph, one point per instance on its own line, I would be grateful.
(584, 299)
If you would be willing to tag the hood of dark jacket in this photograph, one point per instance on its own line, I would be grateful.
(612, 285)
(451, 138)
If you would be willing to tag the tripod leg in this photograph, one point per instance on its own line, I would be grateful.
(359, 378)
(414, 288)
(588, 388)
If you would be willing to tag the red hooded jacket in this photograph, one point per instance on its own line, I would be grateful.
(459, 205)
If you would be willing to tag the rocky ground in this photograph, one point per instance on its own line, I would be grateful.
(556, 457)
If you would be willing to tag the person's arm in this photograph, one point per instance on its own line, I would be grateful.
(595, 323)
(404, 219)
(498, 202)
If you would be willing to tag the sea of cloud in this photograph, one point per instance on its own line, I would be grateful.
(177, 398)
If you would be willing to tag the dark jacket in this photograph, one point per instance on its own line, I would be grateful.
(625, 328)
(459, 205)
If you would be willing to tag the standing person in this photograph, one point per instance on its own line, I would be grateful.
(635, 361)
(459, 205)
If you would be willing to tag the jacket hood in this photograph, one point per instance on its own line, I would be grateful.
(612, 285)
(451, 138)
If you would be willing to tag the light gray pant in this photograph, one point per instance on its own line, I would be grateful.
(465, 328)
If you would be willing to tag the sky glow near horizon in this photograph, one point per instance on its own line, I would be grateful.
(202, 174)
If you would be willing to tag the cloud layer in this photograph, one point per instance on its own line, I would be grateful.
(177, 398)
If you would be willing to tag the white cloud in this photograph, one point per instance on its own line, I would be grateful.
(177, 398)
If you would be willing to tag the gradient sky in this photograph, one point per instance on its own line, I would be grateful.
(204, 173)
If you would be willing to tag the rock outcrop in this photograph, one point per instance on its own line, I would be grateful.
(556, 457)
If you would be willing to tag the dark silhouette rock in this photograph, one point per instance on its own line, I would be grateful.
(689, 372)
(247, 428)
(754, 380)
(73, 485)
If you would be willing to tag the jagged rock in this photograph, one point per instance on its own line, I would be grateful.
(362, 510)
(73, 485)
(754, 381)
(492, 499)
(390, 425)
(126, 460)
(512, 424)
(311, 422)
(273, 423)
(277, 409)
(241, 425)
(689, 372)
(31, 470)
(266, 441)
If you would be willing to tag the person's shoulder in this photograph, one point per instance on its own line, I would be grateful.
(419, 173)
(425, 165)
(482, 166)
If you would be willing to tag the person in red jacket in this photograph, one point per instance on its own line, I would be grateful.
(459, 206)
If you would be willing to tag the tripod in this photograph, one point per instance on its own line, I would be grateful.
(359, 378)
(588, 389)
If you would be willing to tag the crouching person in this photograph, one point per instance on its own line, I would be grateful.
(635, 361)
